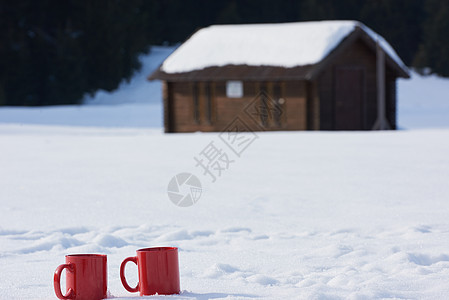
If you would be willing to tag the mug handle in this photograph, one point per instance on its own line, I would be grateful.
(57, 282)
(122, 275)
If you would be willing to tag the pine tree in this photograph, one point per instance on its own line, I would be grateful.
(434, 50)
(399, 21)
(53, 52)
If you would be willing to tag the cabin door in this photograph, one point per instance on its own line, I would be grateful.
(349, 97)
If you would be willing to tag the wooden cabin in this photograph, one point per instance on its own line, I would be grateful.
(326, 75)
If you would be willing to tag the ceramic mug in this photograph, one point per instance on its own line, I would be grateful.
(158, 270)
(86, 277)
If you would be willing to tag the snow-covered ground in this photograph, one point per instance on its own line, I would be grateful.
(423, 102)
(300, 215)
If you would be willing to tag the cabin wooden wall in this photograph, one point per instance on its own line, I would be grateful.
(313, 105)
(295, 94)
(357, 55)
(179, 107)
(309, 105)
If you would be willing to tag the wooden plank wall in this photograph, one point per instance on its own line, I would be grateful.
(313, 105)
(225, 110)
(296, 105)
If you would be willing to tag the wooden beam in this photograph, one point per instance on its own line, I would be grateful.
(381, 122)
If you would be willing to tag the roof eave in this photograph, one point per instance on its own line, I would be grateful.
(341, 47)
(401, 71)
(156, 75)
(344, 44)
(236, 72)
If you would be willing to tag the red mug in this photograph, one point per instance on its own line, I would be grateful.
(158, 270)
(86, 277)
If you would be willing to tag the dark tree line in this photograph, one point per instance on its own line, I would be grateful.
(55, 51)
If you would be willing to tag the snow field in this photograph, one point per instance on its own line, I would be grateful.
(300, 215)
(365, 220)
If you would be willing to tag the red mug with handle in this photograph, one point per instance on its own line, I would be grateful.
(86, 277)
(158, 270)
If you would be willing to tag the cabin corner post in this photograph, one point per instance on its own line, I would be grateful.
(316, 105)
(392, 103)
(381, 121)
(167, 108)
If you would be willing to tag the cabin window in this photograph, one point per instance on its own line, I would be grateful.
(196, 104)
(208, 103)
(234, 89)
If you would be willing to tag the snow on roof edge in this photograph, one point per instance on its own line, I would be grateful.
(385, 46)
(237, 45)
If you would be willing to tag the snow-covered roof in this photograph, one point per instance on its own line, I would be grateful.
(280, 45)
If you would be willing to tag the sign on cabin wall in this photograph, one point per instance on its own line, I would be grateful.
(234, 89)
